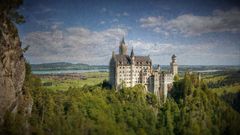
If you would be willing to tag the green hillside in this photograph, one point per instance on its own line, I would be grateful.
(191, 109)
(65, 66)
(227, 86)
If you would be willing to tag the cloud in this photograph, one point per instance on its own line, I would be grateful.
(102, 22)
(74, 44)
(115, 20)
(122, 14)
(103, 10)
(152, 21)
(43, 9)
(125, 14)
(192, 25)
(81, 45)
(194, 54)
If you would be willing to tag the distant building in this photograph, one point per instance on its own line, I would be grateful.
(129, 70)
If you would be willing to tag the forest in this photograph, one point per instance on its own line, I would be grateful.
(191, 108)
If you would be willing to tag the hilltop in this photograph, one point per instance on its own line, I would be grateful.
(66, 66)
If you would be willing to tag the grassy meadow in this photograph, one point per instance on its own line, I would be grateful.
(219, 82)
(92, 78)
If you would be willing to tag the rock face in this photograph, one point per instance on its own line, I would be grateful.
(12, 71)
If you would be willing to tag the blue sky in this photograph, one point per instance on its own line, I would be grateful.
(199, 32)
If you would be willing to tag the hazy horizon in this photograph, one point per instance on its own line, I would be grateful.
(154, 64)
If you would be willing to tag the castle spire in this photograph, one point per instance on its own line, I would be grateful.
(123, 42)
(122, 47)
(113, 54)
(132, 53)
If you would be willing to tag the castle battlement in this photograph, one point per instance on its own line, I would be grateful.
(130, 70)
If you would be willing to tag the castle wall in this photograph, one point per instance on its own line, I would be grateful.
(156, 85)
(131, 70)
(166, 81)
(131, 75)
(112, 73)
(151, 84)
(174, 68)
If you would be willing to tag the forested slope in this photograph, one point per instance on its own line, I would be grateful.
(190, 109)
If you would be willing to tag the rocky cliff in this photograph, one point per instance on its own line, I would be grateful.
(14, 98)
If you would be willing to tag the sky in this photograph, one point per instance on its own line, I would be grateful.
(198, 32)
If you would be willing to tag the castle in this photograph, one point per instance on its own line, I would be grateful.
(128, 71)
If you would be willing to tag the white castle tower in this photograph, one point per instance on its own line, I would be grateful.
(174, 66)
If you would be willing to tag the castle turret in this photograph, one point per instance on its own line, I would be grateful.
(158, 68)
(174, 58)
(132, 56)
(174, 66)
(113, 54)
(132, 53)
(112, 70)
(122, 48)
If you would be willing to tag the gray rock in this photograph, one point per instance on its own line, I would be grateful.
(13, 96)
